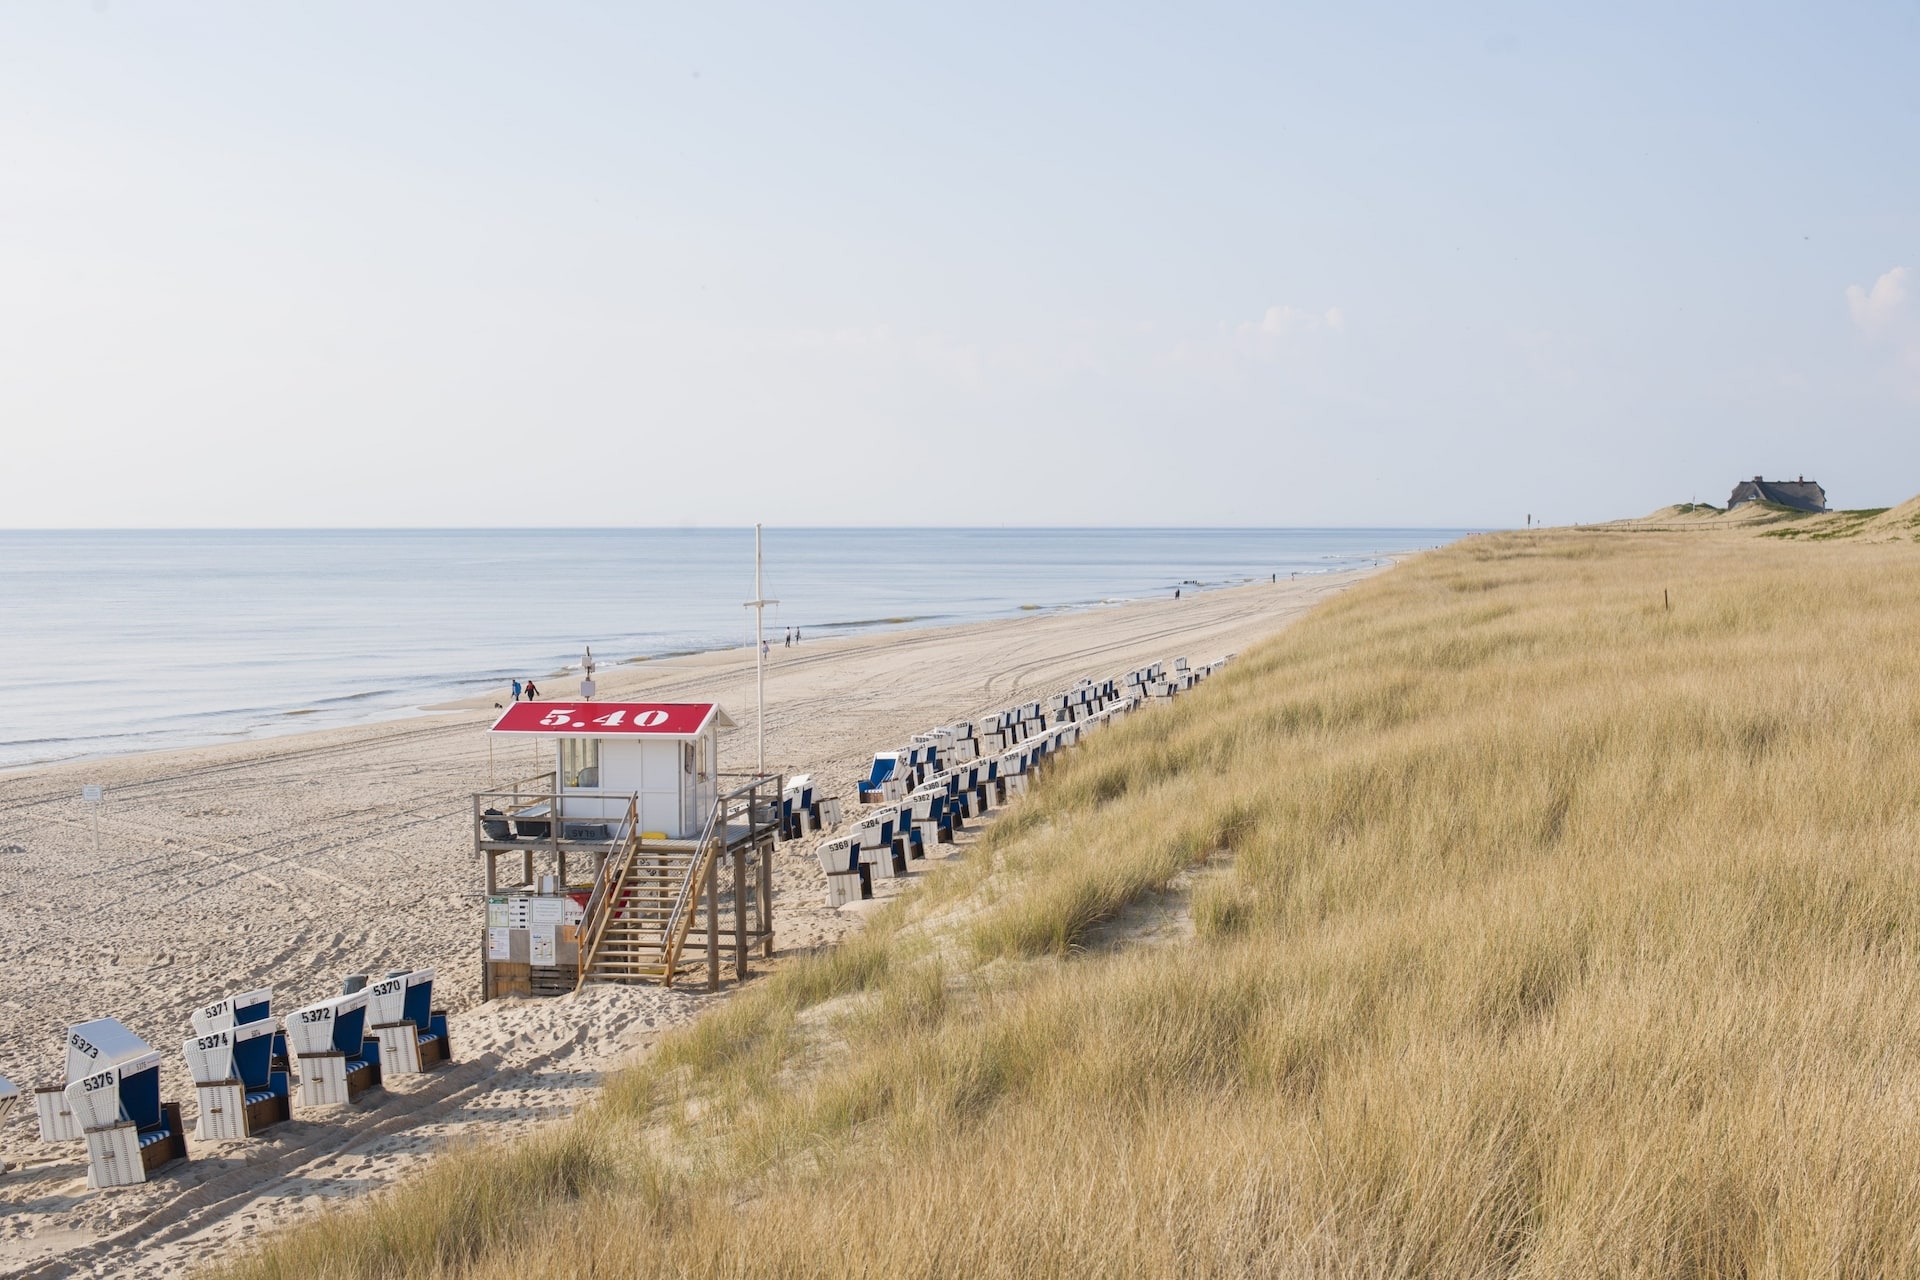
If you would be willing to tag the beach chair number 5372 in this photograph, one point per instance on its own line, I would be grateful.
(316, 1015)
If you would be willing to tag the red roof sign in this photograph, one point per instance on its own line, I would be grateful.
(610, 719)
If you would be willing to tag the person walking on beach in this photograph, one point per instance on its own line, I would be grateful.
(1176, 593)
(765, 648)
(516, 690)
(533, 692)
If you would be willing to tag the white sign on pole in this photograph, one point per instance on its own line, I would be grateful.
(90, 795)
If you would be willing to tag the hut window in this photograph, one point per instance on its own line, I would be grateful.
(580, 762)
(686, 757)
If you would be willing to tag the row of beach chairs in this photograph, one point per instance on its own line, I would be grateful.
(922, 793)
(802, 809)
(242, 1062)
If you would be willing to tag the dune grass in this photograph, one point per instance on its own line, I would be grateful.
(1554, 904)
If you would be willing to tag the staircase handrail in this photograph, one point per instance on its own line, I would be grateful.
(679, 919)
(606, 891)
(614, 847)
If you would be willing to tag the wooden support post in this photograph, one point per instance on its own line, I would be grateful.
(713, 923)
(526, 868)
(740, 914)
(766, 901)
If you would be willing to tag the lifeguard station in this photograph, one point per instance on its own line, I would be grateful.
(619, 848)
(112, 1098)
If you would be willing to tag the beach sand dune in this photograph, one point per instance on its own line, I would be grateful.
(293, 861)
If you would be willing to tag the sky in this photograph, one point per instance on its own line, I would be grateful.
(473, 264)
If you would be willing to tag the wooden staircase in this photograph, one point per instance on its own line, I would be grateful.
(649, 894)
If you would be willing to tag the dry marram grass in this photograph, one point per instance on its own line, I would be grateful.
(1563, 933)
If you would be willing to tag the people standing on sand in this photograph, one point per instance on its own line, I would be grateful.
(533, 692)
(765, 648)
(516, 690)
(796, 635)
(787, 643)
(1176, 593)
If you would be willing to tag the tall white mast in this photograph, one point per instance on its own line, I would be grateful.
(759, 604)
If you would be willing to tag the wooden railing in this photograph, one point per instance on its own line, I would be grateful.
(607, 886)
(739, 820)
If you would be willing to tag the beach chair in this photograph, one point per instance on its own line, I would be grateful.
(799, 813)
(930, 819)
(239, 1091)
(114, 1097)
(9, 1099)
(885, 765)
(1013, 772)
(337, 1061)
(879, 846)
(411, 1033)
(848, 880)
(238, 1011)
(828, 810)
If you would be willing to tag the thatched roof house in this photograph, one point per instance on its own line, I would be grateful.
(1802, 494)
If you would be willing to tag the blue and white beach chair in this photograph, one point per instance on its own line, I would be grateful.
(337, 1061)
(848, 879)
(879, 846)
(114, 1096)
(233, 1074)
(885, 781)
(411, 1033)
(9, 1099)
(238, 1011)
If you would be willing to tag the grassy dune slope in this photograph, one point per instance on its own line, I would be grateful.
(1541, 930)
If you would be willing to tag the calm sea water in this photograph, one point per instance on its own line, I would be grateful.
(129, 640)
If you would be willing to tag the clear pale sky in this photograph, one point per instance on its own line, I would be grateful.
(378, 264)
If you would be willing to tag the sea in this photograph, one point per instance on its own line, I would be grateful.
(125, 640)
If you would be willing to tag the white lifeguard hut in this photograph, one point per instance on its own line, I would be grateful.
(632, 819)
(667, 754)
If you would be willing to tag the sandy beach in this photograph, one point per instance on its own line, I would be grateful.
(293, 861)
